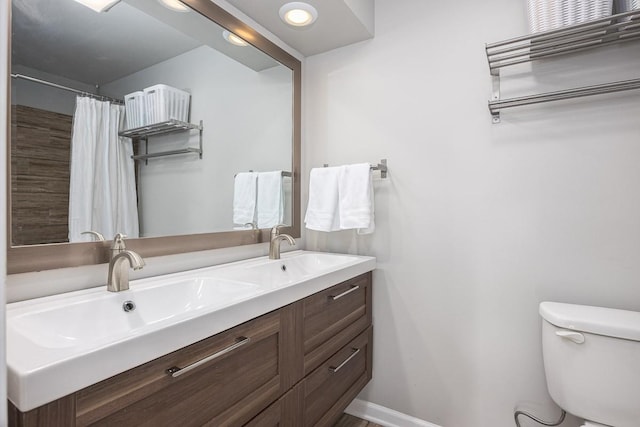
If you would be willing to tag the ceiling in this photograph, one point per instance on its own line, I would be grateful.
(67, 39)
(339, 23)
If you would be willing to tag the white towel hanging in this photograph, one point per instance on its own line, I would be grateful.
(322, 209)
(244, 198)
(341, 198)
(270, 204)
(356, 206)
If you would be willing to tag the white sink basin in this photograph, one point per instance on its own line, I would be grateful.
(288, 270)
(101, 318)
(60, 344)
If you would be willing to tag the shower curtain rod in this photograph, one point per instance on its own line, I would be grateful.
(70, 89)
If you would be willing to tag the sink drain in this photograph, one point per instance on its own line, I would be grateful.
(128, 306)
(283, 267)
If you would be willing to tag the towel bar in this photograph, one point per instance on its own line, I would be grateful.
(382, 167)
(284, 173)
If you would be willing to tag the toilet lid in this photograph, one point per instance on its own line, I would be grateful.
(597, 320)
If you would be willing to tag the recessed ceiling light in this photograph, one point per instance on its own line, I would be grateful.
(298, 14)
(175, 5)
(233, 39)
(98, 5)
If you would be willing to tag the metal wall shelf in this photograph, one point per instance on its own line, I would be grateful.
(167, 153)
(589, 35)
(163, 128)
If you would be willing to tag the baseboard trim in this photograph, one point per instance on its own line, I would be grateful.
(384, 416)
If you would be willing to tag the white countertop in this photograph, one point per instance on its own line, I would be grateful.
(46, 362)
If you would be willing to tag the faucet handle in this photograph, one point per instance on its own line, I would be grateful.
(118, 242)
(276, 230)
(99, 237)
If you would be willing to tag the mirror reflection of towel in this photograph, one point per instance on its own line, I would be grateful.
(270, 204)
(244, 198)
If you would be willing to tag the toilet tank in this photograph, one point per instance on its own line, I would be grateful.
(592, 361)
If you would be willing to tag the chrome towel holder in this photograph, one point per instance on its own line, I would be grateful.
(285, 174)
(382, 167)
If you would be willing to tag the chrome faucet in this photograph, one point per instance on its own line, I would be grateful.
(118, 271)
(276, 238)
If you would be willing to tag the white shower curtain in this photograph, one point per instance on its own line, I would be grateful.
(102, 195)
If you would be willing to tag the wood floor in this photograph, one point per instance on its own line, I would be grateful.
(350, 421)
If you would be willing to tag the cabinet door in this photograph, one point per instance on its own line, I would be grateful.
(334, 384)
(285, 412)
(221, 381)
(333, 317)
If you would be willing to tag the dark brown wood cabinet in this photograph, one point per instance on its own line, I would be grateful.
(335, 383)
(333, 317)
(299, 365)
(286, 411)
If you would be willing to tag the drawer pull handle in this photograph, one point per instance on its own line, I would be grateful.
(176, 371)
(337, 368)
(353, 289)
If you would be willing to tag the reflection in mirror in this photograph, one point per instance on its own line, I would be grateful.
(72, 171)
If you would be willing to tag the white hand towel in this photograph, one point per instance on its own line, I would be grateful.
(322, 209)
(245, 187)
(356, 206)
(270, 207)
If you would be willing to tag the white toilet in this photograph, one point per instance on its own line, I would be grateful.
(592, 362)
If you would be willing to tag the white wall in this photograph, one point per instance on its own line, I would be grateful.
(477, 223)
(247, 126)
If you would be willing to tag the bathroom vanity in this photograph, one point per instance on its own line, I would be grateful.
(299, 364)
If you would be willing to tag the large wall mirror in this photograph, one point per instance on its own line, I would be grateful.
(172, 122)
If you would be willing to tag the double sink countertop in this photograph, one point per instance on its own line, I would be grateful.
(60, 344)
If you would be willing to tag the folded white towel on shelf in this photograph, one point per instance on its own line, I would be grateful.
(270, 205)
(245, 189)
(356, 204)
(322, 209)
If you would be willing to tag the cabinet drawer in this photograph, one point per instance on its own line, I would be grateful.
(333, 385)
(333, 317)
(223, 380)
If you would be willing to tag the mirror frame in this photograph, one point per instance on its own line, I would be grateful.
(22, 259)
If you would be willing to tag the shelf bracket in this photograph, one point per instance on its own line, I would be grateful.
(200, 136)
(495, 94)
(146, 149)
